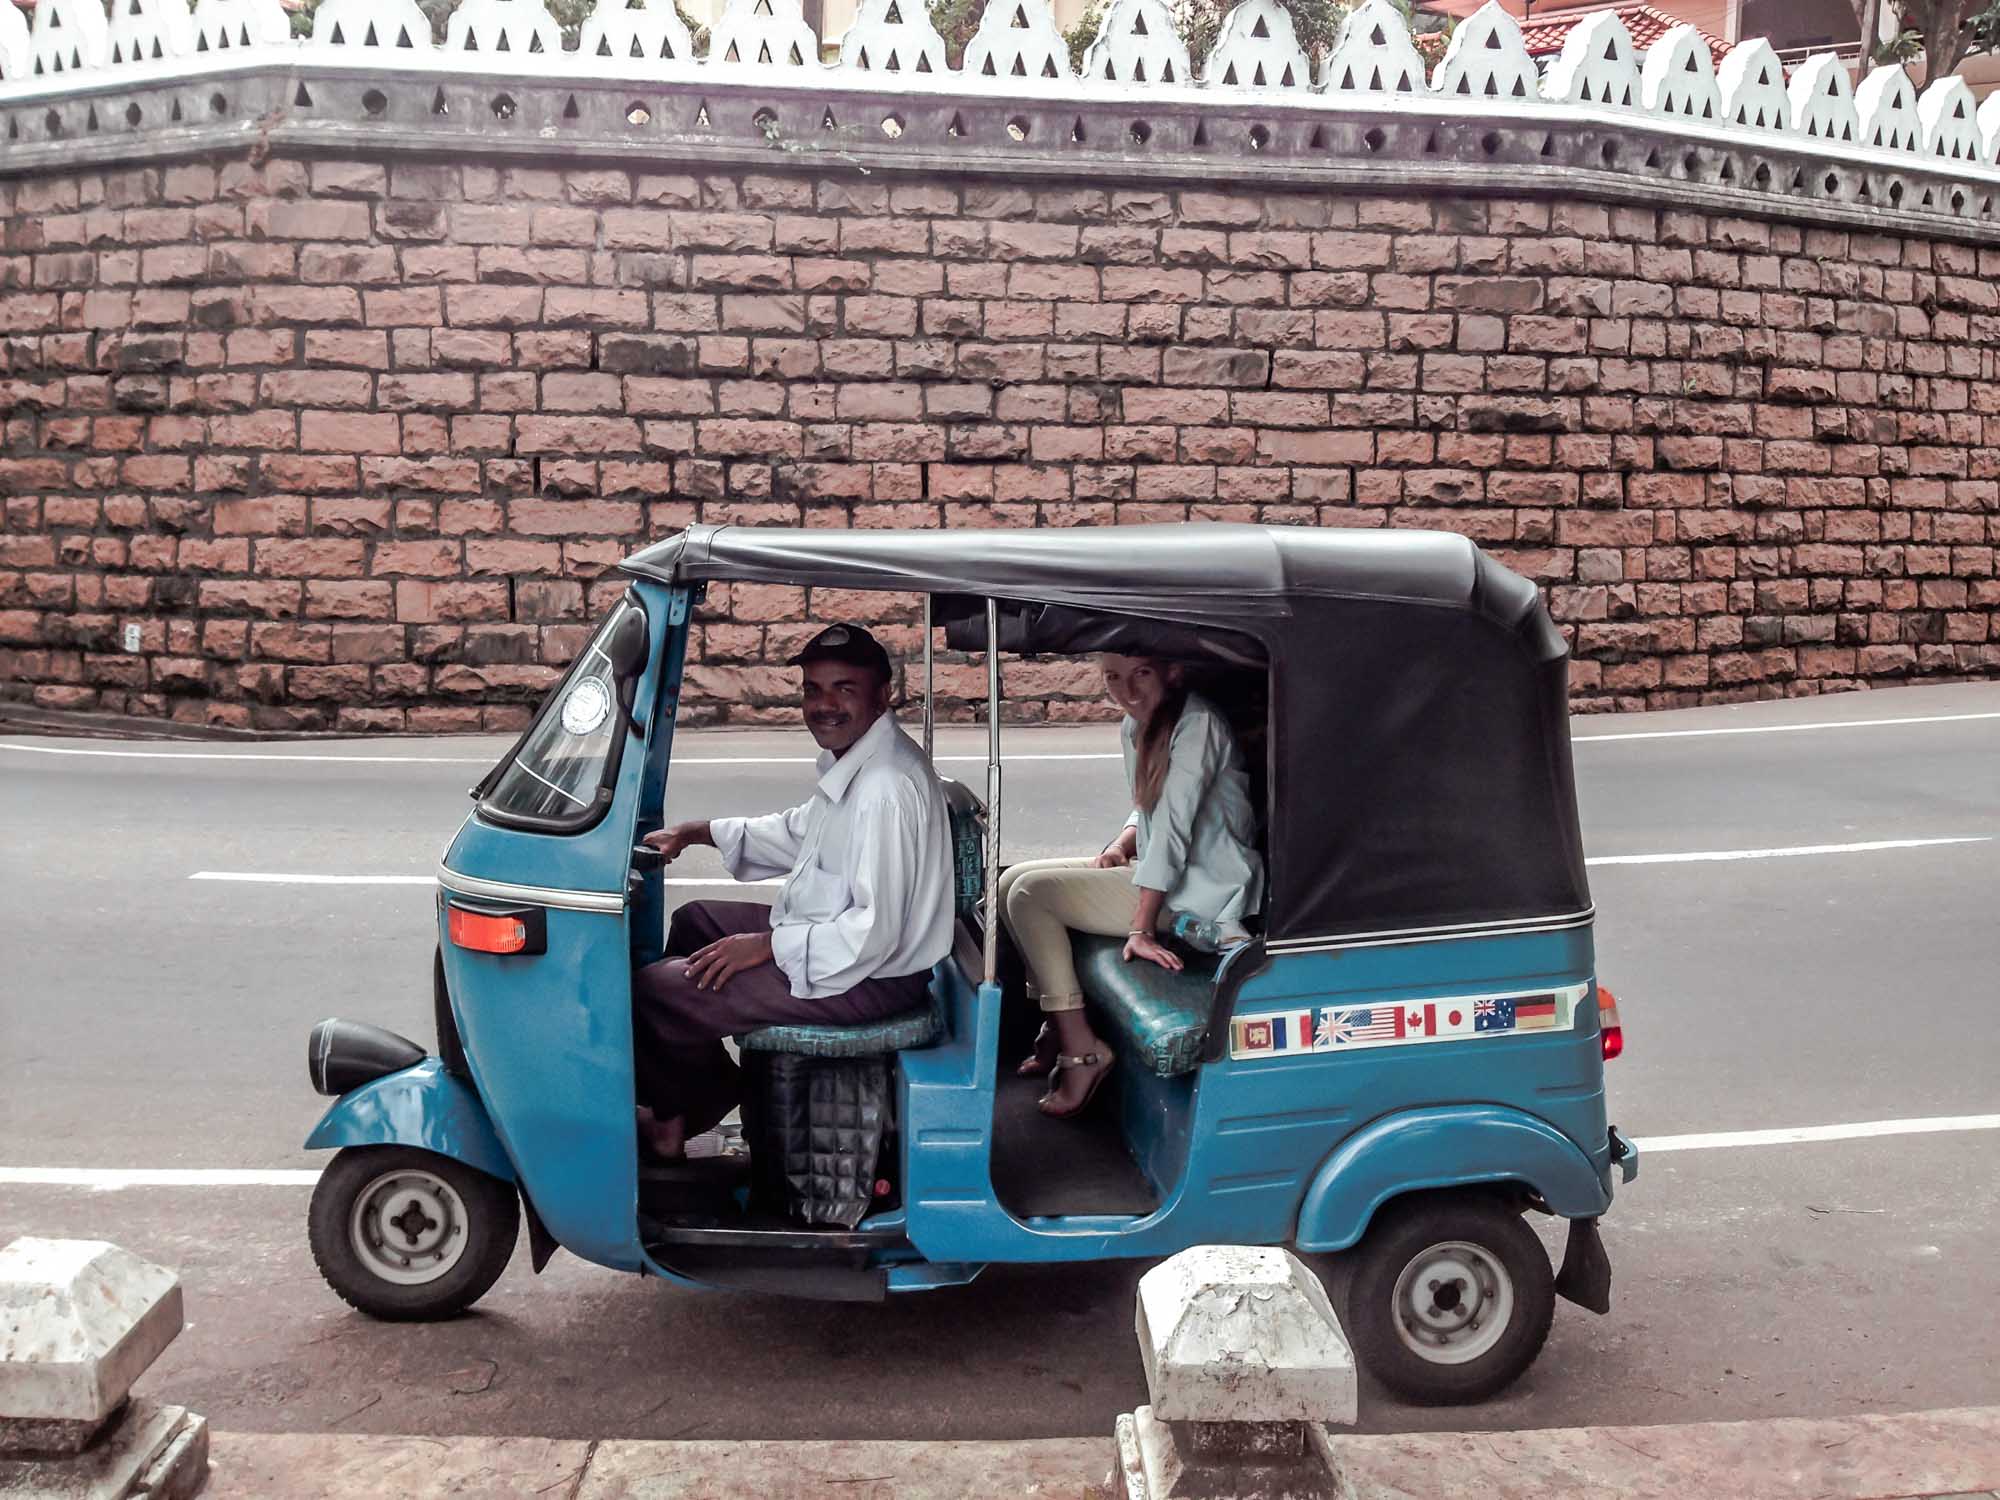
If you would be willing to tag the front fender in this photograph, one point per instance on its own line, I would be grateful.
(1440, 1148)
(420, 1106)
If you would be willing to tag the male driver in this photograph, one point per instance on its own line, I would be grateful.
(864, 912)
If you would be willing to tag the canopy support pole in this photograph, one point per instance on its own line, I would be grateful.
(992, 914)
(930, 718)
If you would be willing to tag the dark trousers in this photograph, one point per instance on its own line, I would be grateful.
(680, 1063)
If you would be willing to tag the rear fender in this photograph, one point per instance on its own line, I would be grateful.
(420, 1106)
(1422, 1149)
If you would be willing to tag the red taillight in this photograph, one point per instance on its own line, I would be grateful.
(1607, 1023)
(487, 934)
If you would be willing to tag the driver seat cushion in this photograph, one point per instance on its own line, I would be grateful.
(1159, 1020)
(913, 1028)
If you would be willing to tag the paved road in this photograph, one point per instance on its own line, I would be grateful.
(150, 1020)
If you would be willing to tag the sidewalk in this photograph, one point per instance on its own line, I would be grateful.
(1932, 1455)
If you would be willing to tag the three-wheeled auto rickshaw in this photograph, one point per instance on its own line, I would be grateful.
(1406, 1059)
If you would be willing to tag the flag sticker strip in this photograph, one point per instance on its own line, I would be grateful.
(1346, 1028)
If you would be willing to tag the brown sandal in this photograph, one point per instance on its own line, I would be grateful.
(1042, 1060)
(1087, 1060)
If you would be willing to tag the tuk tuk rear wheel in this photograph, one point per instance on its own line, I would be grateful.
(408, 1235)
(1451, 1299)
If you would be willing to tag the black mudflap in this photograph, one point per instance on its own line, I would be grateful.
(1585, 1278)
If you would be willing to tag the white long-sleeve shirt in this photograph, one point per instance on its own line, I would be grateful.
(867, 867)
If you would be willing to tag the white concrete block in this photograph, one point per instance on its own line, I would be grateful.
(1230, 1333)
(80, 1321)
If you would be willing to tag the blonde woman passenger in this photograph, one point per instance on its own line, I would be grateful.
(1188, 848)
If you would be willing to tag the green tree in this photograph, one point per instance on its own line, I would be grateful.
(1943, 32)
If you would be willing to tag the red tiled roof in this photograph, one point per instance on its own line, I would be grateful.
(1545, 34)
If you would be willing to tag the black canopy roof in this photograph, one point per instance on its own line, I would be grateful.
(1209, 572)
(1419, 745)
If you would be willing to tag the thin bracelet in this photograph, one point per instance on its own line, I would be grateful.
(1138, 932)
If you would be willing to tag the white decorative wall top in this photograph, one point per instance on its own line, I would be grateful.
(1136, 43)
(1487, 59)
(1823, 101)
(144, 31)
(1752, 83)
(1679, 76)
(763, 34)
(503, 28)
(1017, 39)
(1257, 48)
(1887, 107)
(1598, 65)
(1949, 119)
(371, 26)
(893, 36)
(223, 25)
(69, 36)
(1373, 54)
(76, 85)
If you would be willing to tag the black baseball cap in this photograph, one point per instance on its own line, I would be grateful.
(848, 643)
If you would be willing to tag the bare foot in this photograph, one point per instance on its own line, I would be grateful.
(666, 1139)
(1075, 1085)
(1037, 1063)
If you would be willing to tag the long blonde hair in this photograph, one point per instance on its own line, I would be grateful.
(1155, 738)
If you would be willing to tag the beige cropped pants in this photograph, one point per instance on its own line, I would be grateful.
(1044, 900)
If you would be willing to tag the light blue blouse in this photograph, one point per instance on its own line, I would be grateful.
(1198, 844)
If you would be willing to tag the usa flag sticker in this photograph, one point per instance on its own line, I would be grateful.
(1349, 1028)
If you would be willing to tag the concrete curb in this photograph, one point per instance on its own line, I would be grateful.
(1952, 1453)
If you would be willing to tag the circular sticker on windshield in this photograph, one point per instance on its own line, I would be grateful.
(585, 706)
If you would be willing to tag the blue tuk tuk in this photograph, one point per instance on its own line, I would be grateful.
(1407, 1059)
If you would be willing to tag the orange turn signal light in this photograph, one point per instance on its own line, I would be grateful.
(483, 933)
(1607, 1023)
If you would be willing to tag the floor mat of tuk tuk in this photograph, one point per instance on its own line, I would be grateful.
(1044, 1168)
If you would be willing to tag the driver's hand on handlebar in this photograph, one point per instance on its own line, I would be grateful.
(722, 960)
(1145, 945)
(671, 841)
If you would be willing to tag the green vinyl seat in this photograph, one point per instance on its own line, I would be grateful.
(1159, 1020)
(912, 1028)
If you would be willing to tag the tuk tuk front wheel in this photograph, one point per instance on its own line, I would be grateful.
(408, 1235)
(1451, 1299)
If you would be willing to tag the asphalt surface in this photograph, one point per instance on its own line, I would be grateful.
(148, 1020)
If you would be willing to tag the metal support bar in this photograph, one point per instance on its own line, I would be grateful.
(930, 684)
(992, 918)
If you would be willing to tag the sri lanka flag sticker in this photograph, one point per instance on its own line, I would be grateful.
(1267, 1035)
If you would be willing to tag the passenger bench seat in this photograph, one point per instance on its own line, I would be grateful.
(1159, 1019)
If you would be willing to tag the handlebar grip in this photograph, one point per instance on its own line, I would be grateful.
(645, 857)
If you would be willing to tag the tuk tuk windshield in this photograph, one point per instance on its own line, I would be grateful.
(557, 778)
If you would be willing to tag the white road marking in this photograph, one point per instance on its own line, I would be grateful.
(259, 877)
(111, 1179)
(806, 760)
(1689, 734)
(1712, 855)
(114, 1179)
(1800, 1134)
(255, 756)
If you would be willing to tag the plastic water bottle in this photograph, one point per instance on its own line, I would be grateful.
(1205, 935)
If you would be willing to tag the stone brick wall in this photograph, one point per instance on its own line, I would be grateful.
(352, 444)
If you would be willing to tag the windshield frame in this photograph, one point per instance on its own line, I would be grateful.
(623, 699)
